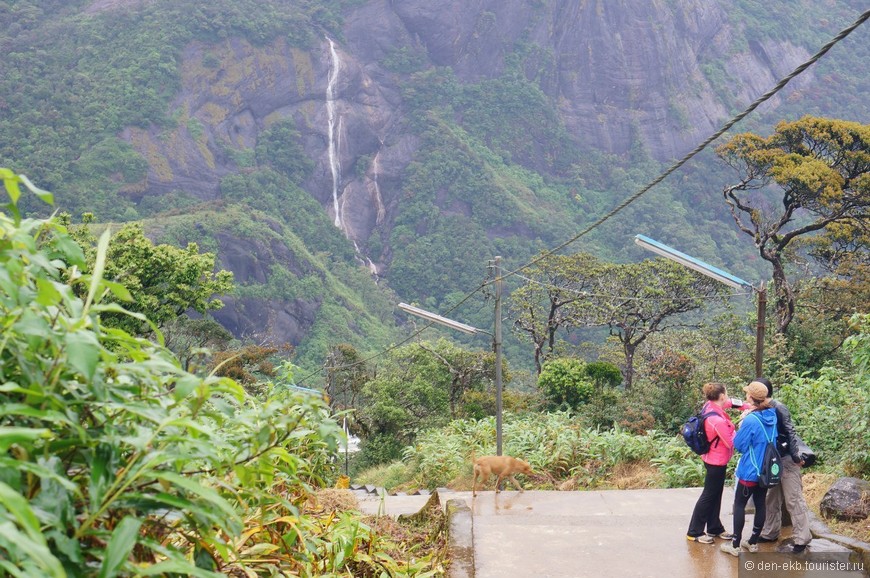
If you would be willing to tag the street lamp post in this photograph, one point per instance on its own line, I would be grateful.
(722, 277)
(496, 343)
(496, 340)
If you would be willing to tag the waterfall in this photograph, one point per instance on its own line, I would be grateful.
(379, 201)
(334, 161)
(373, 269)
(335, 136)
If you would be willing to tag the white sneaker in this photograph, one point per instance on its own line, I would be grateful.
(728, 548)
(703, 538)
(749, 547)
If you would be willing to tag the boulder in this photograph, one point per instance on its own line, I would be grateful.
(848, 499)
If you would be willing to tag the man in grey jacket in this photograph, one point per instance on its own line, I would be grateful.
(790, 488)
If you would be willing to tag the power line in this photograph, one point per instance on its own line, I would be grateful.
(734, 120)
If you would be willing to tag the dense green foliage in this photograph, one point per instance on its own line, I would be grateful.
(279, 148)
(118, 462)
(421, 385)
(832, 404)
(159, 281)
(565, 383)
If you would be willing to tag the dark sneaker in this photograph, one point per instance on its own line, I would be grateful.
(703, 538)
(764, 540)
(798, 548)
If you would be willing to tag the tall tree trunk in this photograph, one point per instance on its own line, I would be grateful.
(539, 346)
(629, 348)
(784, 296)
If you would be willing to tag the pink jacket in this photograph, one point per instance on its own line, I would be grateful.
(720, 432)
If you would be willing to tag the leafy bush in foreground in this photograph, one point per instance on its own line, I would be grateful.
(116, 462)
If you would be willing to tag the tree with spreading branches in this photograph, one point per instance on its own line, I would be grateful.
(638, 300)
(632, 300)
(552, 299)
(806, 177)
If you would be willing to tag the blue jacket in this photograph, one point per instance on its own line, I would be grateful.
(756, 429)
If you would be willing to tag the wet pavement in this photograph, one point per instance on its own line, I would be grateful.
(543, 534)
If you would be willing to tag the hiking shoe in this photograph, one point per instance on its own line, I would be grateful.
(763, 540)
(723, 536)
(703, 538)
(798, 548)
(728, 548)
(748, 546)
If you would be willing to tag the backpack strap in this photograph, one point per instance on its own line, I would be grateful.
(704, 416)
(767, 439)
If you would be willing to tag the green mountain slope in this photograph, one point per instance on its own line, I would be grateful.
(209, 121)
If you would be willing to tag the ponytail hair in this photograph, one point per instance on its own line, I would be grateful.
(713, 390)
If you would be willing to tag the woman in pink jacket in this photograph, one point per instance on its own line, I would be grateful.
(720, 432)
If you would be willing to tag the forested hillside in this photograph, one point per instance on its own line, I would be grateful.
(341, 156)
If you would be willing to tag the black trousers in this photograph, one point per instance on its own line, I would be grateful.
(741, 498)
(706, 513)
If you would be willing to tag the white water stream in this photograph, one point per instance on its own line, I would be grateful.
(335, 134)
(379, 201)
(334, 128)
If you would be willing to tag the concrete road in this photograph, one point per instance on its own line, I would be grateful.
(626, 533)
(618, 533)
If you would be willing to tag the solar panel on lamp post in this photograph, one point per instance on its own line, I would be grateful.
(435, 318)
(718, 275)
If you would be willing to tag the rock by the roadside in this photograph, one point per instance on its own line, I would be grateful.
(848, 499)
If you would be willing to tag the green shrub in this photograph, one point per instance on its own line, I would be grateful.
(280, 147)
(378, 449)
(603, 374)
(831, 407)
(564, 383)
(679, 465)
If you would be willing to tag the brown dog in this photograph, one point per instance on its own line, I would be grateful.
(502, 467)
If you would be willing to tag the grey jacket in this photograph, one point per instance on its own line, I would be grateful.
(786, 439)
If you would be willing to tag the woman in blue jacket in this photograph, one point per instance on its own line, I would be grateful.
(756, 429)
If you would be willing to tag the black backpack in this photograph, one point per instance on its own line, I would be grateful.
(694, 433)
(770, 470)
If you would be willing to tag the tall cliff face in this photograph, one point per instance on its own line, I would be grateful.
(614, 67)
(618, 71)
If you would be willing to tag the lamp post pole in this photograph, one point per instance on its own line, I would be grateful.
(759, 330)
(497, 346)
